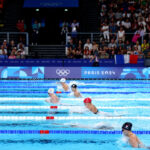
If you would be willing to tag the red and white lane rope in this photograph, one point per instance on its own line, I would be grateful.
(39, 118)
(71, 99)
(68, 107)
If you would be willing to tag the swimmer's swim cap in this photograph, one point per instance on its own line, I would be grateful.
(74, 86)
(63, 80)
(127, 126)
(51, 91)
(87, 100)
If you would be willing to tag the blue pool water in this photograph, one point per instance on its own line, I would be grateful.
(108, 94)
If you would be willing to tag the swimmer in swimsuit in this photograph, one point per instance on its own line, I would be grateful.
(88, 104)
(131, 137)
(64, 85)
(76, 93)
(53, 98)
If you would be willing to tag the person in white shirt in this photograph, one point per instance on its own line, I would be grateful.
(88, 44)
(74, 26)
(105, 30)
(121, 34)
(3, 51)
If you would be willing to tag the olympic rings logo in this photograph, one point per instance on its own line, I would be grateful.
(63, 72)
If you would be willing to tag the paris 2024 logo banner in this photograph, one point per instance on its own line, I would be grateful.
(74, 72)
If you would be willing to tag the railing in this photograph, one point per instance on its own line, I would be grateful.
(98, 36)
(16, 36)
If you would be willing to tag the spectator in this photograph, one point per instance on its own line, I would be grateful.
(112, 45)
(74, 28)
(35, 32)
(105, 30)
(88, 44)
(138, 46)
(144, 45)
(12, 55)
(121, 34)
(11, 46)
(64, 29)
(21, 26)
(19, 54)
(86, 52)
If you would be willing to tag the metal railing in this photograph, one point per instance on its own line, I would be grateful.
(16, 36)
(98, 36)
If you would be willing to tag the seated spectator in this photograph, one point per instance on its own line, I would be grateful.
(86, 52)
(12, 55)
(21, 26)
(138, 46)
(19, 54)
(127, 45)
(112, 44)
(88, 44)
(121, 34)
(144, 45)
(11, 46)
(78, 54)
(3, 50)
(5, 45)
(80, 45)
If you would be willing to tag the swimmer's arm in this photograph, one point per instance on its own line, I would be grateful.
(133, 142)
(140, 144)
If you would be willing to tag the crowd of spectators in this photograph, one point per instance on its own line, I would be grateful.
(124, 28)
(12, 50)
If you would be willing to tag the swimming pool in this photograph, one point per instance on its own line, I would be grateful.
(28, 122)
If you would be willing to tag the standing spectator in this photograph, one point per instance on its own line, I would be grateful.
(144, 45)
(21, 26)
(121, 34)
(105, 30)
(74, 28)
(35, 32)
(88, 44)
(64, 29)
(113, 29)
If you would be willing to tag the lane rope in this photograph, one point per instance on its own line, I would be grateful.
(66, 132)
(39, 118)
(68, 107)
(71, 99)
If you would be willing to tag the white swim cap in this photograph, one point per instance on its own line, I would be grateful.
(51, 91)
(63, 80)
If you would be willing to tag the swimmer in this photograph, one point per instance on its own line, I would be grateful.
(88, 104)
(64, 85)
(75, 91)
(131, 137)
(53, 98)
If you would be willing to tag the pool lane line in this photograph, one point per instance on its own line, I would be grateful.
(71, 99)
(35, 92)
(68, 132)
(67, 107)
(80, 87)
(44, 118)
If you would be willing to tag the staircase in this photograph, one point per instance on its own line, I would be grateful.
(47, 51)
(12, 14)
(89, 18)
